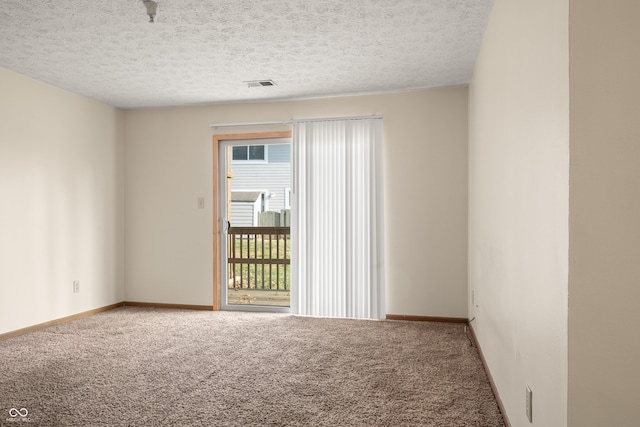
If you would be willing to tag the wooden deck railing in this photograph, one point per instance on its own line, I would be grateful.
(259, 258)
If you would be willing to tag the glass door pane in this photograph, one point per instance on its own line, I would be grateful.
(257, 247)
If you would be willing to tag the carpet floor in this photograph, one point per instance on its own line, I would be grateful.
(159, 367)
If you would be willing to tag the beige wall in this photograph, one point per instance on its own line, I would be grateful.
(61, 204)
(604, 286)
(169, 165)
(518, 205)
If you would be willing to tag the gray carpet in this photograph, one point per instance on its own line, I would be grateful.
(156, 367)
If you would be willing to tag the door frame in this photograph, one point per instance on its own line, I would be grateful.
(217, 142)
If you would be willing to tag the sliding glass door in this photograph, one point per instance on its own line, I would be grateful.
(255, 212)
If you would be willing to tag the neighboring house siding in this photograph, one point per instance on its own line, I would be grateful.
(243, 214)
(279, 153)
(272, 177)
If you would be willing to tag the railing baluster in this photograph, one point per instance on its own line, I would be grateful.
(277, 241)
(241, 256)
(242, 265)
(262, 265)
(270, 257)
(235, 253)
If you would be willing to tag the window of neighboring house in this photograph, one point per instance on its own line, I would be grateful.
(249, 152)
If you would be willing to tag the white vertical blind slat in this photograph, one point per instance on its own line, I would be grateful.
(337, 253)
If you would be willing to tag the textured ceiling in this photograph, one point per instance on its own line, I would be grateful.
(201, 52)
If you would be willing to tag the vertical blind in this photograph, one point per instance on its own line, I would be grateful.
(337, 219)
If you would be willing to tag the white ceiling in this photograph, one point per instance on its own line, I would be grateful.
(200, 52)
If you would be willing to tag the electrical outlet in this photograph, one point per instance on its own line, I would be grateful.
(529, 404)
(76, 286)
(200, 202)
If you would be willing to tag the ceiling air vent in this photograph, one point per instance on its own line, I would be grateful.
(260, 83)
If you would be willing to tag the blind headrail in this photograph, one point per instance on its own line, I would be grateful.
(293, 121)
